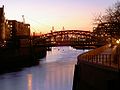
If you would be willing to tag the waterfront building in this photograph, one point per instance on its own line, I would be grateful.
(20, 32)
(19, 28)
(13, 31)
(7, 31)
(107, 31)
(2, 24)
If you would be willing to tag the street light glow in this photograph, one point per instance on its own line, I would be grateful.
(118, 41)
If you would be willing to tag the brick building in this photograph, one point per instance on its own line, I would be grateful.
(4, 30)
(14, 32)
(2, 24)
(19, 33)
(18, 29)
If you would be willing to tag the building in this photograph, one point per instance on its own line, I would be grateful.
(13, 32)
(7, 31)
(19, 33)
(2, 24)
(18, 29)
(4, 30)
(101, 32)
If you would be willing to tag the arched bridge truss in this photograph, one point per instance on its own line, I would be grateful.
(69, 38)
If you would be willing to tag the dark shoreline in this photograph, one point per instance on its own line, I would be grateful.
(16, 59)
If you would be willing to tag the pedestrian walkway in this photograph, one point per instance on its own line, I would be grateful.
(105, 56)
(98, 69)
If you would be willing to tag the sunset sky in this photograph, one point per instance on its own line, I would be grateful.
(43, 14)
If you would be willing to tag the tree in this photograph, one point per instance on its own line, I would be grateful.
(110, 22)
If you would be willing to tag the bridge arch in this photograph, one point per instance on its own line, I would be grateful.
(69, 37)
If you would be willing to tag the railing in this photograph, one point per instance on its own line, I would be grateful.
(96, 57)
(94, 52)
(102, 59)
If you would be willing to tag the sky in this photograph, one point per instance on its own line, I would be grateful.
(43, 14)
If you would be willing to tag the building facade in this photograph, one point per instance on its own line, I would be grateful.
(2, 24)
(13, 32)
(19, 33)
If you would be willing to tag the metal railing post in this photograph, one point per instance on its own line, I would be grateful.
(110, 60)
(118, 60)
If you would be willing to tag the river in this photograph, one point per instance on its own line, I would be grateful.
(54, 72)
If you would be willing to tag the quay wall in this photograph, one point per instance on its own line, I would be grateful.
(88, 76)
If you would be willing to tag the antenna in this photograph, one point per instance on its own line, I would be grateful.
(52, 28)
(63, 28)
(23, 18)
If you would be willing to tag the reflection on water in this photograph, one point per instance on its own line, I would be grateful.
(62, 54)
(29, 81)
(55, 72)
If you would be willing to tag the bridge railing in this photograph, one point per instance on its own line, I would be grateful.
(96, 57)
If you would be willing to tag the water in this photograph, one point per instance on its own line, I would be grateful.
(55, 72)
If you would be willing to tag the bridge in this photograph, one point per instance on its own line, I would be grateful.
(69, 38)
